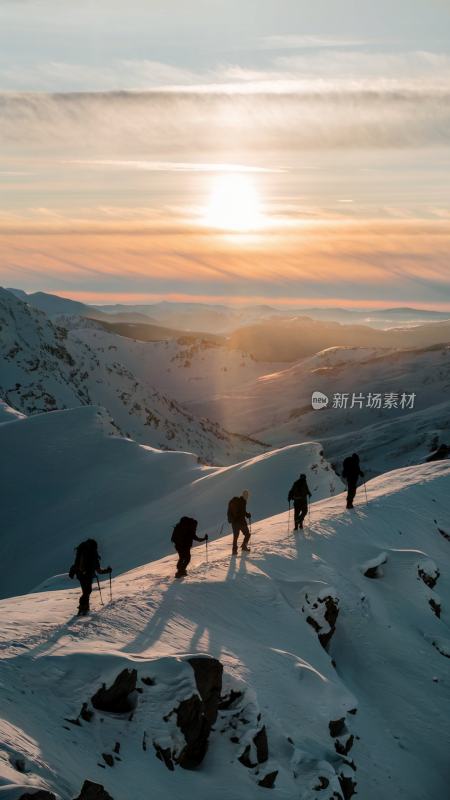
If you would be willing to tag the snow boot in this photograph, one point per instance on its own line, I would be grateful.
(234, 551)
(245, 549)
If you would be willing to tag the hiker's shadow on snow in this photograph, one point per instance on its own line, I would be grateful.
(158, 622)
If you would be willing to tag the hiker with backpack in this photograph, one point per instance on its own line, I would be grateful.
(299, 493)
(237, 517)
(85, 568)
(183, 536)
(351, 472)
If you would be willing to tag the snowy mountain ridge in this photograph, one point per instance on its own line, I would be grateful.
(334, 645)
(80, 479)
(276, 407)
(43, 368)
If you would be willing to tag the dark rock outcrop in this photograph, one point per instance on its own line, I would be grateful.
(41, 794)
(268, 782)
(120, 697)
(93, 791)
(429, 579)
(437, 608)
(348, 786)
(193, 723)
(328, 608)
(262, 745)
(164, 755)
(208, 678)
(443, 451)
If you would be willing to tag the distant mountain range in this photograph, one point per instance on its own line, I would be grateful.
(223, 319)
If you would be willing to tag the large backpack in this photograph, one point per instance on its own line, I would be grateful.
(236, 509)
(87, 559)
(300, 490)
(348, 467)
(184, 532)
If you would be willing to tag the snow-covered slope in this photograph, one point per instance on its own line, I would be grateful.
(65, 476)
(8, 414)
(42, 369)
(368, 708)
(277, 406)
(187, 369)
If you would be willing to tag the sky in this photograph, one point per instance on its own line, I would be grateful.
(275, 151)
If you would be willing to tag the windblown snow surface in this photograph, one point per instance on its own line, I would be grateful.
(66, 476)
(370, 708)
(276, 407)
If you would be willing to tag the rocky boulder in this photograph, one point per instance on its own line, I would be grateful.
(120, 698)
(197, 714)
(93, 791)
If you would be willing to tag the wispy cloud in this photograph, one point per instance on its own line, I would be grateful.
(306, 42)
(176, 166)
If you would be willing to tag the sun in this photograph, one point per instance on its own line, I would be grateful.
(234, 204)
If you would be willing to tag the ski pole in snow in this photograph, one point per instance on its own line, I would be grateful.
(110, 587)
(365, 489)
(289, 519)
(98, 584)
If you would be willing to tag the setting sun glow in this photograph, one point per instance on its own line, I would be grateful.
(234, 204)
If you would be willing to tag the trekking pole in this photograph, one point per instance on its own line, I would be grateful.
(207, 558)
(110, 587)
(365, 489)
(98, 584)
(289, 519)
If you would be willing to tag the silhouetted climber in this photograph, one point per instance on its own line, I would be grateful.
(85, 567)
(351, 472)
(299, 493)
(237, 516)
(184, 533)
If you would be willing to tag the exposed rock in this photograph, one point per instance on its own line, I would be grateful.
(323, 784)
(41, 794)
(119, 698)
(108, 759)
(148, 681)
(93, 791)
(443, 451)
(428, 573)
(164, 755)
(324, 613)
(86, 714)
(193, 723)
(268, 782)
(244, 758)
(337, 727)
(262, 746)
(348, 786)
(343, 748)
(198, 713)
(208, 678)
(229, 700)
(437, 608)
(444, 534)
(373, 569)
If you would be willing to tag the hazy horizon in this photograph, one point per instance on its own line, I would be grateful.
(225, 152)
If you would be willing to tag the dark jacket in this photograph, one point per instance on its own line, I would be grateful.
(87, 561)
(299, 491)
(350, 469)
(184, 534)
(237, 510)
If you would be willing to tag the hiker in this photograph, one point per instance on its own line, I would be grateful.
(85, 567)
(351, 472)
(237, 517)
(184, 533)
(299, 493)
